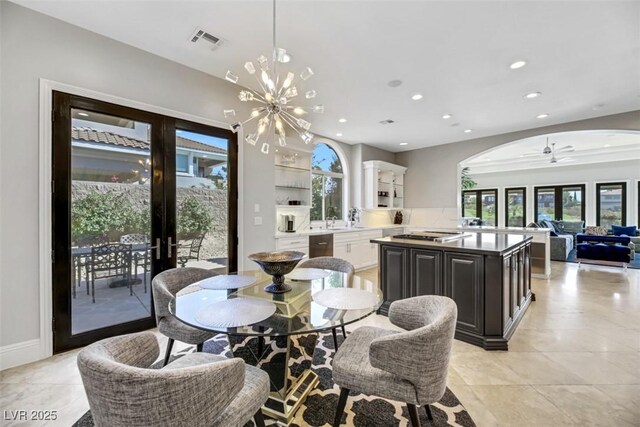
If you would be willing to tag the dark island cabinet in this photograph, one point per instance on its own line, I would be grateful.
(491, 290)
(394, 271)
(464, 283)
(426, 272)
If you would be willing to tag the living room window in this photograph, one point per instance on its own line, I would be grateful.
(559, 202)
(611, 204)
(515, 207)
(481, 204)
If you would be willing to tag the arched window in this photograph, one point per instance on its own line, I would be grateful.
(327, 180)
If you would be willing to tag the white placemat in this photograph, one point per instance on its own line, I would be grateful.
(345, 298)
(227, 281)
(308, 274)
(235, 312)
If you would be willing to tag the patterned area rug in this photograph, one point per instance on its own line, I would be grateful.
(361, 410)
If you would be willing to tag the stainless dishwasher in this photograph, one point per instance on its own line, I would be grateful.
(320, 245)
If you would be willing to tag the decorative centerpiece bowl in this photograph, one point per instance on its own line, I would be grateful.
(277, 264)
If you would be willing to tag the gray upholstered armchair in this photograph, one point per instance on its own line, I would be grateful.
(196, 390)
(409, 366)
(333, 264)
(165, 287)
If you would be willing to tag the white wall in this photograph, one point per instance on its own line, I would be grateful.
(432, 179)
(625, 171)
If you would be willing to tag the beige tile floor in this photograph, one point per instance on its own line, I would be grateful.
(575, 360)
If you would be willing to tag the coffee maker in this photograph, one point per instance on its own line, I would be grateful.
(289, 223)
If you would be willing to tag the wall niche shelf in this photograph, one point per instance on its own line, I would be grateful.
(292, 179)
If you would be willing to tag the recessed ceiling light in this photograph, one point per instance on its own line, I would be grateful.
(404, 143)
(542, 116)
(467, 131)
(607, 145)
(338, 134)
(395, 83)
(447, 116)
(532, 95)
(417, 97)
(342, 120)
(488, 160)
(83, 114)
(518, 64)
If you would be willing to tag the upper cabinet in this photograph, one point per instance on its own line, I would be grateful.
(383, 185)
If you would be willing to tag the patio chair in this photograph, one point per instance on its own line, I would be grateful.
(189, 250)
(81, 256)
(108, 261)
(139, 258)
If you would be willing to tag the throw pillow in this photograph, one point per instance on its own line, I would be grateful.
(595, 231)
(618, 230)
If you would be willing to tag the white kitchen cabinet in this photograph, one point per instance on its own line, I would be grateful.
(298, 243)
(383, 185)
(356, 248)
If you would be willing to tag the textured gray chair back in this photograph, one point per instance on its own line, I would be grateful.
(329, 263)
(123, 392)
(168, 283)
(421, 355)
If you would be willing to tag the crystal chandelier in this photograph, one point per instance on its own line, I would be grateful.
(274, 113)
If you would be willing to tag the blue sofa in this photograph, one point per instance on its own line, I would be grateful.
(603, 248)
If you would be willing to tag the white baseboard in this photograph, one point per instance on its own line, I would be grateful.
(19, 354)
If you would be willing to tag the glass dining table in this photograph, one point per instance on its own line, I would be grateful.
(278, 332)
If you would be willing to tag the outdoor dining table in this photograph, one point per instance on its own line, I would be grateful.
(278, 332)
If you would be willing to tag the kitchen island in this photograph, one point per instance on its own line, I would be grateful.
(488, 275)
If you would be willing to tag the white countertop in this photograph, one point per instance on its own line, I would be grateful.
(494, 229)
(475, 229)
(309, 232)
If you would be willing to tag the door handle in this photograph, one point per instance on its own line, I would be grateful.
(157, 248)
(169, 246)
(321, 243)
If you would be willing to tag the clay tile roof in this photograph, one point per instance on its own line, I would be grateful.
(102, 137)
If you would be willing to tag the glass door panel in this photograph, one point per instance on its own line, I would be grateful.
(545, 204)
(515, 207)
(110, 220)
(469, 204)
(611, 205)
(489, 204)
(572, 202)
(202, 201)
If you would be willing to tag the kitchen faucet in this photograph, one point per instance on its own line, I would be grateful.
(333, 222)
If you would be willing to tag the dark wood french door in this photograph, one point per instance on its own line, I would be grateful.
(134, 193)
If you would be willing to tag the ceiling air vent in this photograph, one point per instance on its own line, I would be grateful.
(201, 36)
(387, 122)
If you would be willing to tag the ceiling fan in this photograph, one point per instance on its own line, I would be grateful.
(549, 150)
(553, 154)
